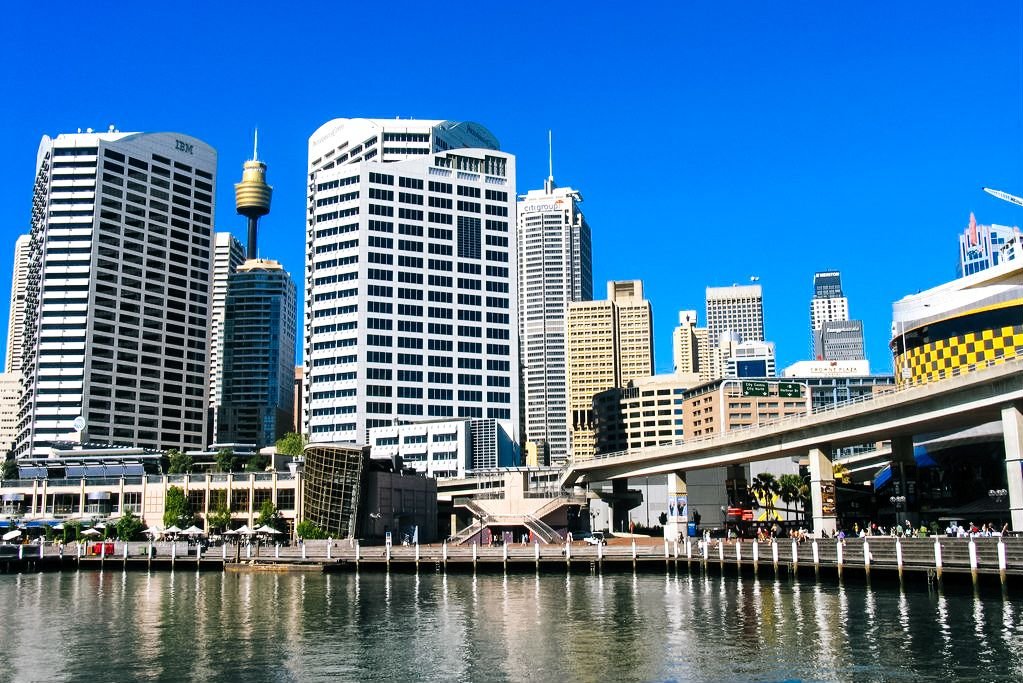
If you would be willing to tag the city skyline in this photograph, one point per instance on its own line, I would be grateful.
(778, 139)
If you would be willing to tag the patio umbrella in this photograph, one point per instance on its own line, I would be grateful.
(153, 531)
(230, 532)
(194, 531)
(172, 530)
(99, 525)
(91, 532)
(265, 529)
(58, 527)
(244, 530)
(11, 535)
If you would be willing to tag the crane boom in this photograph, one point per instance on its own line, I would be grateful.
(1004, 196)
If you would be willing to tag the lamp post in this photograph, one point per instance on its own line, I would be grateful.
(898, 502)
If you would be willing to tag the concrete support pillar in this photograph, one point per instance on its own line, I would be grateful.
(822, 493)
(619, 506)
(678, 507)
(1012, 433)
(902, 457)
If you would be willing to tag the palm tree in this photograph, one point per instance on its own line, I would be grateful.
(765, 488)
(794, 490)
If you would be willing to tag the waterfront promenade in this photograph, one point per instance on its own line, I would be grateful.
(932, 559)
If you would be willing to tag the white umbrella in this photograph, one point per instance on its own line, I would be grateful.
(99, 525)
(172, 530)
(230, 532)
(153, 531)
(91, 532)
(58, 527)
(265, 529)
(11, 535)
(244, 530)
(194, 531)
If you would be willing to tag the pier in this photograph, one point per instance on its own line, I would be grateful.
(934, 559)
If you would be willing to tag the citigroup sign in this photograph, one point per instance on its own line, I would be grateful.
(541, 207)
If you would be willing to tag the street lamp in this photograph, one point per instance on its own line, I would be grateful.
(998, 494)
(897, 502)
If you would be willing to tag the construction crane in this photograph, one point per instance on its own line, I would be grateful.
(1004, 196)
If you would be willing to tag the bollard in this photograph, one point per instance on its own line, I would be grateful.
(303, 549)
(666, 554)
(174, 551)
(633, 550)
(329, 544)
(795, 554)
(474, 553)
(40, 551)
(676, 550)
(774, 554)
(898, 555)
(387, 553)
(102, 550)
(248, 550)
(568, 551)
(973, 557)
(277, 551)
(689, 549)
(866, 556)
(21, 552)
(600, 552)
(1001, 556)
(756, 554)
(78, 551)
(444, 552)
(198, 553)
(504, 547)
(357, 549)
(223, 551)
(721, 552)
(417, 554)
(738, 552)
(838, 553)
(536, 552)
(126, 551)
(816, 556)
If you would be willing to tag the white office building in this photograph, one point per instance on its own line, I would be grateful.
(228, 254)
(117, 299)
(738, 309)
(410, 309)
(16, 319)
(445, 449)
(555, 269)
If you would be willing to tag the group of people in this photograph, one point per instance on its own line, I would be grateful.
(909, 530)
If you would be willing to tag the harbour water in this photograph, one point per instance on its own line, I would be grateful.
(116, 625)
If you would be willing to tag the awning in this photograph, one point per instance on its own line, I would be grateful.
(36, 523)
(13, 497)
(98, 495)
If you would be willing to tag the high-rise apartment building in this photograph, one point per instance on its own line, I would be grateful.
(691, 346)
(738, 309)
(984, 246)
(117, 297)
(410, 309)
(10, 396)
(833, 335)
(228, 254)
(555, 269)
(259, 355)
(16, 319)
(608, 343)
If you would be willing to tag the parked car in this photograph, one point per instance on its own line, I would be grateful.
(597, 538)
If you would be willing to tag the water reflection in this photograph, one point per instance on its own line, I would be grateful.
(504, 627)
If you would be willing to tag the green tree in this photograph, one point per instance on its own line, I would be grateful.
(792, 489)
(765, 488)
(128, 526)
(176, 510)
(178, 462)
(72, 530)
(270, 516)
(291, 444)
(257, 463)
(225, 460)
(8, 468)
(219, 518)
(308, 530)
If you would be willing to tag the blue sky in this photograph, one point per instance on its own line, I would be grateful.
(712, 142)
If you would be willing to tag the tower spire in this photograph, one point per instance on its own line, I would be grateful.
(255, 145)
(549, 185)
(252, 195)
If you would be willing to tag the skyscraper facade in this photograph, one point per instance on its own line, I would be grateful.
(259, 355)
(833, 335)
(16, 319)
(608, 343)
(554, 269)
(117, 298)
(228, 254)
(738, 309)
(983, 246)
(410, 303)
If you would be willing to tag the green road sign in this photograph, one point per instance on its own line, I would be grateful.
(754, 389)
(790, 390)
